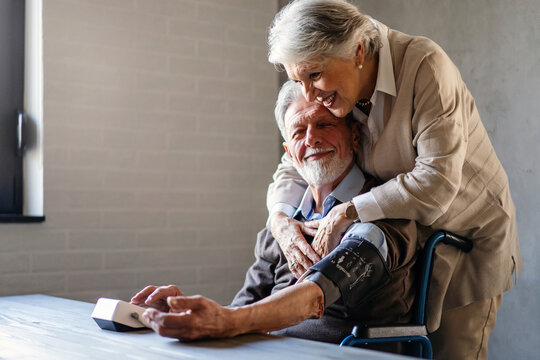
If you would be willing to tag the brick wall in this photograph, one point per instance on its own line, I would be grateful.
(159, 144)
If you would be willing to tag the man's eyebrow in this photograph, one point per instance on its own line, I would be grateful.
(297, 120)
(294, 123)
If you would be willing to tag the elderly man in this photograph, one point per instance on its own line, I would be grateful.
(367, 278)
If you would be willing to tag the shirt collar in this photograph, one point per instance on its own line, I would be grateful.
(385, 74)
(349, 187)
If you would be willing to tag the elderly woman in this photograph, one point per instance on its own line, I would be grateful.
(423, 138)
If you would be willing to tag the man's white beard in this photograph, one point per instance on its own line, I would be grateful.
(325, 170)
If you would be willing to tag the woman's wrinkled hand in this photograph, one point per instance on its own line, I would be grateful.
(290, 234)
(330, 230)
(156, 297)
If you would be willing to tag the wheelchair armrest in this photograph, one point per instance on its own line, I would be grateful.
(377, 332)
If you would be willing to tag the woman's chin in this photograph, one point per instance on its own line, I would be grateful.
(339, 112)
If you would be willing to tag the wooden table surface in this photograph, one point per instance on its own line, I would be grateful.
(46, 327)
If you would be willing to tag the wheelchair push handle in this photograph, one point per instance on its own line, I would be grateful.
(459, 242)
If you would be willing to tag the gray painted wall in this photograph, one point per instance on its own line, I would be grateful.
(496, 45)
(105, 63)
(158, 135)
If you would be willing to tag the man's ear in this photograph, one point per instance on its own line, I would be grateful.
(355, 135)
(286, 149)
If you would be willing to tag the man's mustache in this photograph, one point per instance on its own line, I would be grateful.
(313, 151)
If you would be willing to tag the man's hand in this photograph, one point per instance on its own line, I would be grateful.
(192, 317)
(331, 230)
(289, 233)
(156, 297)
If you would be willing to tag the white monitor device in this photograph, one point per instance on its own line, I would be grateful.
(118, 315)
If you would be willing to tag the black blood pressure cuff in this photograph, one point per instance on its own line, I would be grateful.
(356, 268)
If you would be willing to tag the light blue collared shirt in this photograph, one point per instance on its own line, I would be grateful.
(349, 187)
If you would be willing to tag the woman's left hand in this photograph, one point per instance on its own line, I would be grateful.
(331, 230)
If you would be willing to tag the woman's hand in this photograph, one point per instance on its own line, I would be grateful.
(289, 233)
(192, 317)
(156, 297)
(331, 230)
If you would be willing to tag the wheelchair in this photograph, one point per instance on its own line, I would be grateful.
(415, 332)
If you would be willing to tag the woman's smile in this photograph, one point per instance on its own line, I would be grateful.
(332, 84)
(328, 101)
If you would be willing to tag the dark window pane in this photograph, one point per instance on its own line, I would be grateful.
(11, 101)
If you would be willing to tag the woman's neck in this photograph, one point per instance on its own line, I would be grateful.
(368, 77)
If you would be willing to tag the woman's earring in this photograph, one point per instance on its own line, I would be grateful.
(360, 66)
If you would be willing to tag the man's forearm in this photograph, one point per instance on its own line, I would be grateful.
(285, 308)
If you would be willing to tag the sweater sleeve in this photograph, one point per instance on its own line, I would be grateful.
(439, 125)
(288, 187)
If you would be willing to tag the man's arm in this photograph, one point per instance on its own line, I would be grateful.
(196, 317)
(355, 268)
(260, 276)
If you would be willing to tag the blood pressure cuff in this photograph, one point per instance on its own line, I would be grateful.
(357, 269)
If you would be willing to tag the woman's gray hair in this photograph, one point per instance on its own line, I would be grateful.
(313, 30)
(289, 92)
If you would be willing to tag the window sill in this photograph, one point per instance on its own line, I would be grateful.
(13, 218)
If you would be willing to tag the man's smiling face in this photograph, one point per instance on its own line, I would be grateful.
(320, 145)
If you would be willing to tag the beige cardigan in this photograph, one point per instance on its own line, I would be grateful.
(440, 169)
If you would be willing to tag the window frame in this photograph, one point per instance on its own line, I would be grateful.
(33, 109)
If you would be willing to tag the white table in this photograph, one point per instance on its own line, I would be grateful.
(46, 327)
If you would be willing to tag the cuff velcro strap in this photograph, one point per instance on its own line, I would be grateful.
(357, 269)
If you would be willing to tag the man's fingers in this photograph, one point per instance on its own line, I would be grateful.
(181, 333)
(181, 326)
(142, 295)
(162, 293)
(171, 325)
(184, 303)
(151, 315)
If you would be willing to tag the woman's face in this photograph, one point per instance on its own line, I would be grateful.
(334, 84)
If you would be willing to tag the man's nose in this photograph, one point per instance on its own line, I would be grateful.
(313, 138)
(308, 91)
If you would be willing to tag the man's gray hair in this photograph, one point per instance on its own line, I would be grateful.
(289, 92)
(313, 30)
